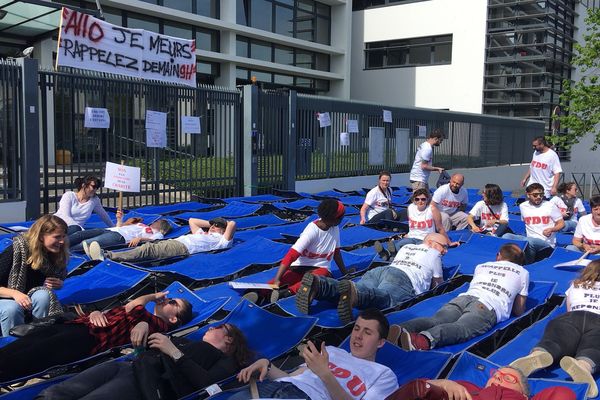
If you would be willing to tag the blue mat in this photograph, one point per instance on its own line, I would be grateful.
(356, 235)
(4, 243)
(298, 204)
(261, 198)
(474, 369)
(564, 239)
(172, 208)
(259, 220)
(275, 232)
(545, 269)
(75, 262)
(30, 391)
(221, 265)
(479, 249)
(330, 193)
(231, 210)
(539, 292)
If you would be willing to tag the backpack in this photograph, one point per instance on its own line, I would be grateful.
(570, 203)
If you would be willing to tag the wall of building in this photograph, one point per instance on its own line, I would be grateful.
(457, 87)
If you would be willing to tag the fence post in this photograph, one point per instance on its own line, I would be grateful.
(250, 141)
(289, 164)
(30, 147)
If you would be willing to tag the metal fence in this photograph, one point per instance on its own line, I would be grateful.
(205, 164)
(10, 131)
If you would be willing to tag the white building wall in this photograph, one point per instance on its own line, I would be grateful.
(457, 87)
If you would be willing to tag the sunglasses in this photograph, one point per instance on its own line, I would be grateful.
(505, 376)
(420, 199)
(536, 194)
(223, 326)
(445, 246)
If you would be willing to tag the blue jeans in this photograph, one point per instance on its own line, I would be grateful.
(570, 226)
(71, 229)
(459, 320)
(104, 237)
(12, 314)
(534, 245)
(403, 242)
(273, 390)
(572, 247)
(381, 287)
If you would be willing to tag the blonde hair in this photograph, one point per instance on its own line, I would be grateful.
(589, 276)
(38, 256)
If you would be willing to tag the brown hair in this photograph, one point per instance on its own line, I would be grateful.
(589, 276)
(493, 194)
(419, 192)
(238, 348)
(38, 256)
(511, 252)
(436, 133)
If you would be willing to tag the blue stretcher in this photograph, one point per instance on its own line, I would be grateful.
(544, 269)
(259, 220)
(296, 205)
(261, 198)
(276, 232)
(356, 235)
(174, 208)
(477, 370)
(539, 292)
(231, 210)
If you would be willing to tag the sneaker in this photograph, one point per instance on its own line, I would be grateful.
(394, 334)
(307, 292)
(346, 302)
(86, 248)
(252, 297)
(385, 256)
(96, 252)
(391, 248)
(410, 341)
(532, 362)
(580, 374)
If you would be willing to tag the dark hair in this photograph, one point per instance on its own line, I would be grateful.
(563, 187)
(184, 314)
(385, 173)
(595, 201)
(421, 191)
(375, 314)
(511, 252)
(493, 194)
(436, 134)
(80, 183)
(238, 348)
(219, 222)
(534, 186)
(327, 210)
(542, 140)
(164, 226)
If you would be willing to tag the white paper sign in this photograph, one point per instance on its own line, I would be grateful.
(156, 120)
(352, 125)
(248, 285)
(574, 265)
(387, 116)
(156, 138)
(190, 124)
(344, 139)
(96, 118)
(87, 42)
(121, 177)
(422, 130)
(324, 120)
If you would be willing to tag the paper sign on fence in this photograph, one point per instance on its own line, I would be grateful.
(96, 118)
(422, 130)
(190, 124)
(156, 138)
(121, 177)
(324, 120)
(352, 125)
(344, 139)
(248, 285)
(156, 120)
(387, 116)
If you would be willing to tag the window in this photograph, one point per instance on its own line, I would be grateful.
(207, 39)
(270, 80)
(183, 5)
(259, 50)
(178, 30)
(208, 8)
(431, 50)
(142, 22)
(261, 15)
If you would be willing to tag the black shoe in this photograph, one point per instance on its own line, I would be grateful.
(391, 248)
(346, 301)
(383, 253)
(306, 293)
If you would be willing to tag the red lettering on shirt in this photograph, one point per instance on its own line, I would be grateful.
(428, 223)
(537, 164)
(450, 204)
(488, 216)
(591, 241)
(310, 254)
(545, 220)
(355, 385)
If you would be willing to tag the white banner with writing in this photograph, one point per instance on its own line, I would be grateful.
(121, 177)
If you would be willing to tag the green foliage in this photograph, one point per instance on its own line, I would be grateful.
(581, 100)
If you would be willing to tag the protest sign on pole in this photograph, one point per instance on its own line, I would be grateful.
(121, 177)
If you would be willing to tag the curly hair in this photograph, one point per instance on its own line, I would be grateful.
(493, 194)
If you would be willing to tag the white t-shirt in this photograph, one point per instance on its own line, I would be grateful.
(577, 206)
(420, 263)
(420, 223)
(539, 218)
(73, 212)
(447, 201)
(424, 154)
(361, 379)
(316, 246)
(496, 284)
(482, 211)
(143, 231)
(587, 230)
(377, 201)
(204, 241)
(542, 169)
(581, 299)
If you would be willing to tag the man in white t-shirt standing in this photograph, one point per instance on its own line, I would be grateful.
(206, 236)
(330, 372)
(423, 165)
(542, 220)
(587, 233)
(497, 289)
(448, 204)
(414, 270)
(544, 169)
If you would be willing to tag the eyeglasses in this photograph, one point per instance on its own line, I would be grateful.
(420, 199)
(93, 187)
(445, 246)
(536, 194)
(505, 376)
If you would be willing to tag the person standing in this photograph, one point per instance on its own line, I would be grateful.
(422, 166)
(544, 169)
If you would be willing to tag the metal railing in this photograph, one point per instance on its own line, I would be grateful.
(11, 137)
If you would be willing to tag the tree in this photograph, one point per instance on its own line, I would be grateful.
(581, 99)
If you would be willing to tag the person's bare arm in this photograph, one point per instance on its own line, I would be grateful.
(519, 305)
(230, 230)
(437, 220)
(145, 299)
(454, 390)
(318, 363)
(553, 189)
(471, 222)
(435, 282)
(337, 257)
(363, 213)
(197, 223)
(428, 166)
(525, 178)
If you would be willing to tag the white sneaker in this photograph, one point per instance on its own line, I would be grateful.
(86, 249)
(95, 251)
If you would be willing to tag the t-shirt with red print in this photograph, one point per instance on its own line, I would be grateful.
(449, 202)
(542, 169)
(316, 246)
(420, 223)
(133, 231)
(538, 218)
(484, 213)
(361, 379)
(588, 231)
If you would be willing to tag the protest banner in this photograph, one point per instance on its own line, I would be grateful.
(121, 177)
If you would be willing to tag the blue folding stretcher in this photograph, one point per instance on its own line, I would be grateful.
(356, 235)
(231, 210)
(545, 270)
(477, 370)
(261, 198)
(539, 292)
(259, 220)
(212, 266)
(351, 260)
(174, 208)
(4, 243)
(75, 262)
(326, 311)
(275, 232)
(298, 204)
(479, 249)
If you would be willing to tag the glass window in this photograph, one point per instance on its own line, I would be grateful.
(420, 55)
(262, 76)
(241, 46)
(207, 39)
(113, 16)
(142, 22)
(304, 82)
(261, 14)
(283, 79)
(306, 5)
(208, 8)
(430, 50)
(322, 61)
(241, 12)
(323, 31)
(304, 59)
(183, 5)
(284, 21)
(242, 73)
(375, 58)
(304, 25)
(324, 10)
(260, 50)
(284, 55)
(179, 30)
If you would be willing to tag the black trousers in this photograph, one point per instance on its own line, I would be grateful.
(50, 346)
(575, 334)
(105, 381)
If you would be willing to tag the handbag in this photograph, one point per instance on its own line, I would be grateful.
(41, 323)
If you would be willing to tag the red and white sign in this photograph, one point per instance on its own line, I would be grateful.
(121, 177)
(89, 43)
